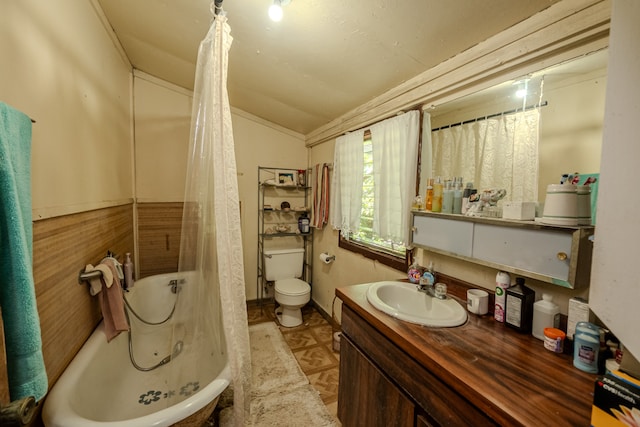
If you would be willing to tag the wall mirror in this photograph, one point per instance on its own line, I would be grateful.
(572, 95)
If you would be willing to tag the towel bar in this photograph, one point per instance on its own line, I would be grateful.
(84, 277)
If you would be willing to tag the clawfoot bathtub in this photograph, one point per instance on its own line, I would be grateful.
(102, 388)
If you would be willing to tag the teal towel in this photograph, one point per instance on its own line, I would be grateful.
(25, 364)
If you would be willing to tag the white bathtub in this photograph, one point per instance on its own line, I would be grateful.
(101, 388)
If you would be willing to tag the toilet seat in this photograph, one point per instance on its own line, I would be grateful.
(292, 287)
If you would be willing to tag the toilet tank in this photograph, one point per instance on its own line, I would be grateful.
(283, 263)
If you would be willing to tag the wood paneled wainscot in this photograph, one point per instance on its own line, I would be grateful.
(394, 373)
(554, 254)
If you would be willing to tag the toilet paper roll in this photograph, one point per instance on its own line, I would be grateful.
(326, 258)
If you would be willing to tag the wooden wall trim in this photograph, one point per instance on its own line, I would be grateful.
(62, 246)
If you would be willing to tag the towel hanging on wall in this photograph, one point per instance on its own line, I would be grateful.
(320, 209)
(25, 364)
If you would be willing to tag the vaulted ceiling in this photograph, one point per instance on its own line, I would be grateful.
(325, 58)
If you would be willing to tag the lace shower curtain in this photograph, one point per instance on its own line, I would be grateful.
(212, 304)
(499, 152)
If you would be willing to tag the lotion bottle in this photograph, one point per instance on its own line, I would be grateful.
(437, 196)
(447, 198)
(429, 196)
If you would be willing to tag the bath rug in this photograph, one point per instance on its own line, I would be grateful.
(297, 407)
(280, 392)
(273, 366)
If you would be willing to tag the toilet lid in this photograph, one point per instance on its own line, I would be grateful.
(292, 287)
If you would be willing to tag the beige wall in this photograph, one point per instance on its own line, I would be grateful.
(60, 67)
(77, 90)
(162, 123)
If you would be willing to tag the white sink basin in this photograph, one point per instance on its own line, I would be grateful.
(403, 301)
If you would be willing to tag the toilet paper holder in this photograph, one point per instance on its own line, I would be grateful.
(326, 258)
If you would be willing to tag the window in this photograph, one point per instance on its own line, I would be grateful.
(366, 241)
(374, 179)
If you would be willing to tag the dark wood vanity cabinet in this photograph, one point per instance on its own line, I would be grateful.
(380, 385)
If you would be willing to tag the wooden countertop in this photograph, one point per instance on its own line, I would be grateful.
(508, 375)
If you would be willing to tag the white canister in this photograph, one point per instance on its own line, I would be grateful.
(561, 205)
(584, 204)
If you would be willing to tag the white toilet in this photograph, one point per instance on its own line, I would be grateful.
(284, 267)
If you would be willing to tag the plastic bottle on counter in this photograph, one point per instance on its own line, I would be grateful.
(519, 306)
(503, 281)
(546, 314)
(128, 271)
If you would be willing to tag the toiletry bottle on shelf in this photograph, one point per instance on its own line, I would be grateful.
(128, 271)
(546, 314)
(447, 198)
(457, 197)
(519, 306)
(429, 195)
(503, 280)
(437, 196)
(465, 197)
(303, 223)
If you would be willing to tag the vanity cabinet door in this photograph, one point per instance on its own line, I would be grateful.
(366, 396)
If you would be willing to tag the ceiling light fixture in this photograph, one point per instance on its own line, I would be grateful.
(275, 10)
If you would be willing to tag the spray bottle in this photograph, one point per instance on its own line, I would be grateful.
(503, 281)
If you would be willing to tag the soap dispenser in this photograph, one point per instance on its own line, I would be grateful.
(519, 306)
(128, 271)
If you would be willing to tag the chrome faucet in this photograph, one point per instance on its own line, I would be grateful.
(439, 290)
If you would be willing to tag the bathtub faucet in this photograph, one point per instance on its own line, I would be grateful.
(174, 285)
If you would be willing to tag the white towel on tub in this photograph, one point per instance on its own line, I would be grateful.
(95, 284)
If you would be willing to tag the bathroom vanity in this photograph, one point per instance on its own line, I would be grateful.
(394, 373)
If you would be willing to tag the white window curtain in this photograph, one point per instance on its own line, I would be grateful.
(500, 152)
(346, 197)
(395, 163)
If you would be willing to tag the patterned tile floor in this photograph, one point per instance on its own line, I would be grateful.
(312, 345)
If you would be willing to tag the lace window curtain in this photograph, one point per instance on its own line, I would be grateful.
(346, 197)
(395, 162)
(500, 152)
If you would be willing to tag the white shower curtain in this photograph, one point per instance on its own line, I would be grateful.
(500, 152)
(211, 241)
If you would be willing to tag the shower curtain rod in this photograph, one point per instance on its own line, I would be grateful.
(218, 6)
(490, 116)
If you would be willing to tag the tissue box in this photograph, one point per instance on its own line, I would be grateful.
(519, 210)
(616, 399)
